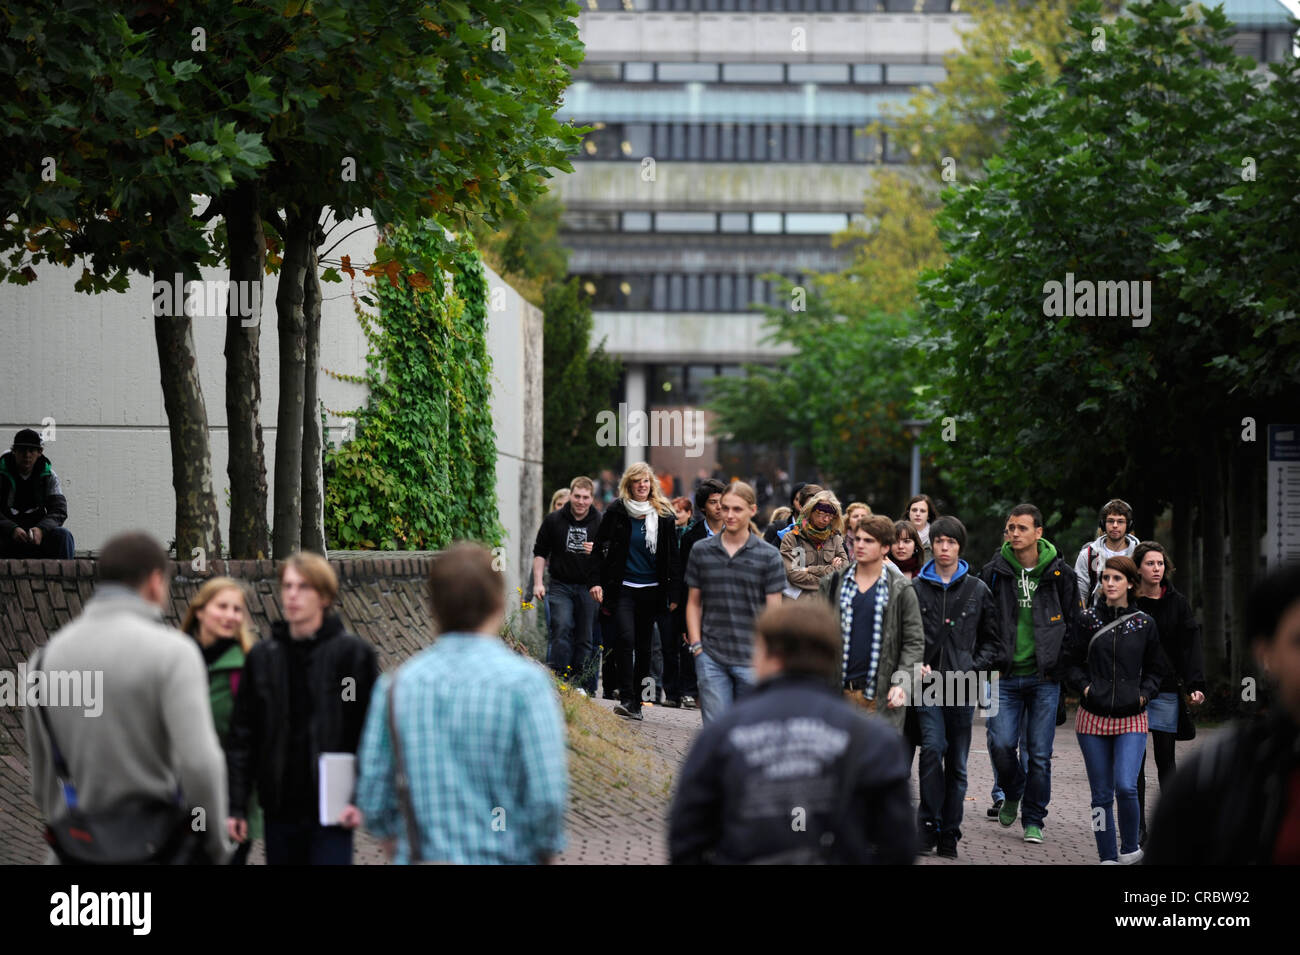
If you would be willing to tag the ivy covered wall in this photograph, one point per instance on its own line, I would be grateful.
(421, 469)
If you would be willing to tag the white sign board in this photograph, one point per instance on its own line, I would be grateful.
(1283, 494)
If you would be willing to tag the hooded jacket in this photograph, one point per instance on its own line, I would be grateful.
(560, 540)
(793, 743)
(1092, 561)
(1053, 612)
(1120, 666)
(902, 637)
(960, 620)
(51, 505)
(257, 749)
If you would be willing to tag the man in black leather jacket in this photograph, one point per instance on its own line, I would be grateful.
(1237, 801)
(304, 692)
(791, 773)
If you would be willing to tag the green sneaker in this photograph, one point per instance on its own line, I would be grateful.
(1007, 814)
(1033, 834)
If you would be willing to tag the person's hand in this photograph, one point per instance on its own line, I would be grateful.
(837, 563)
(1196, 698)
(351, 818)
(1086, 689)
(896, 697)
(36, 534)
(672, 607)
(539, 592)
(1142, 701)
(598, 595)
(925, 669)
(20, 535)
(588, 545)
(237, 829)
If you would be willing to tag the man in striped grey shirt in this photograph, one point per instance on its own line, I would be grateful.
(730, 577)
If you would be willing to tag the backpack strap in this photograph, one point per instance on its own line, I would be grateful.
(402, 779)
(60, 764)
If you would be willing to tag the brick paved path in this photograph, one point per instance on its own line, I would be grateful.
(617, 820)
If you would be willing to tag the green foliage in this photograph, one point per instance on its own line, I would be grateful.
(578, 384)
(841, 397)
(1127, 167)
(421, 471)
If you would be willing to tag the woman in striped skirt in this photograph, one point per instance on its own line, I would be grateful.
(1116, 663)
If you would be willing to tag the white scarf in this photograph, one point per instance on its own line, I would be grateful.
(651, 514)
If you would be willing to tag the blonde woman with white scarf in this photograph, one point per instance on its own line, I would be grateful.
(635, 576)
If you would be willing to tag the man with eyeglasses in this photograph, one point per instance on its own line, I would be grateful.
(1115, 519)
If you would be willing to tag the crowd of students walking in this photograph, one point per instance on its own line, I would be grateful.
(823, 653)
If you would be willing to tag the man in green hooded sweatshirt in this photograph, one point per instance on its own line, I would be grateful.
(1037, 603)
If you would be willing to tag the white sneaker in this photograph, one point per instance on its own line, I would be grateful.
(581, 692)
(1109, 862)
(1130, 858)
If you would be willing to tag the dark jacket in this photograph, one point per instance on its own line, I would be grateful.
(1056, 610)
(257, 748)
(960, 621)
(1119, 667)
(697, 532)
(614, 538)
(792, 773)
(553, 543)
(1180, 635)
(51, 506)
(1226, 803)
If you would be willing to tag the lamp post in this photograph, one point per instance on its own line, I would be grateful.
(914, 427)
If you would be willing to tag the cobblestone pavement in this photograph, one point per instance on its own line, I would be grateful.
(612, 821)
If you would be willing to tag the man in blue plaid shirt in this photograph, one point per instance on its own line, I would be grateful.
(481, 733)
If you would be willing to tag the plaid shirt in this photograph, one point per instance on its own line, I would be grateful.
(484, 742)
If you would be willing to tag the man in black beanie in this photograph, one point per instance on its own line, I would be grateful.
(32, 505)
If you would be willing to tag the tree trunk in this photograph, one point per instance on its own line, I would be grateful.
(197, 527)
(246, 466)
(313, 478)
(293, 346)
(1246, 489)
(1212, 537)
(1184, 579)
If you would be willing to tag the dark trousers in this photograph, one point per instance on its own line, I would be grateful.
(1163, 744)
(638, 609)
(689, 682)
(307, 843)
(241, 853)
(569, 611)
(55, 545)
(674, 659)
(609, 678)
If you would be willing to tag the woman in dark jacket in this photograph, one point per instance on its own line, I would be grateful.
(1180, 636)
(635, 576)
(1116, 663)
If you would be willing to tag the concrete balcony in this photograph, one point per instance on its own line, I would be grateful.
(685, 337)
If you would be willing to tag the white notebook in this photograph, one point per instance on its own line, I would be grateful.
(338, 776)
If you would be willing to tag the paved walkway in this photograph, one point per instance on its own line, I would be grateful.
(619, 817)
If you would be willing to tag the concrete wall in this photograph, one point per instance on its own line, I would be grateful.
(90, 364)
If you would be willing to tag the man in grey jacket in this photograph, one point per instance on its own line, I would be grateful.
(149, 730)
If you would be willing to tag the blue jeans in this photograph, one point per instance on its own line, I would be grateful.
(307, 843)
(56, 544)
(998, 794)
(570, 608)
(1112, 763)
(945, 745)
(1037, 699)
(720, 684)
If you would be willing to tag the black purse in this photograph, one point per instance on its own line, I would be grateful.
(138, 830)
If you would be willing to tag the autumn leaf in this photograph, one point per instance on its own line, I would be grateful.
(345, 263)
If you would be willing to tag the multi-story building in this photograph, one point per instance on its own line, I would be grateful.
(728, 145)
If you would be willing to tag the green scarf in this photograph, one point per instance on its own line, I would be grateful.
(808, 532)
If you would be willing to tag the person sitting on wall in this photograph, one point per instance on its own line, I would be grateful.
(32, 505)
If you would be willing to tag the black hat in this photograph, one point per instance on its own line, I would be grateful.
(27, 438)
